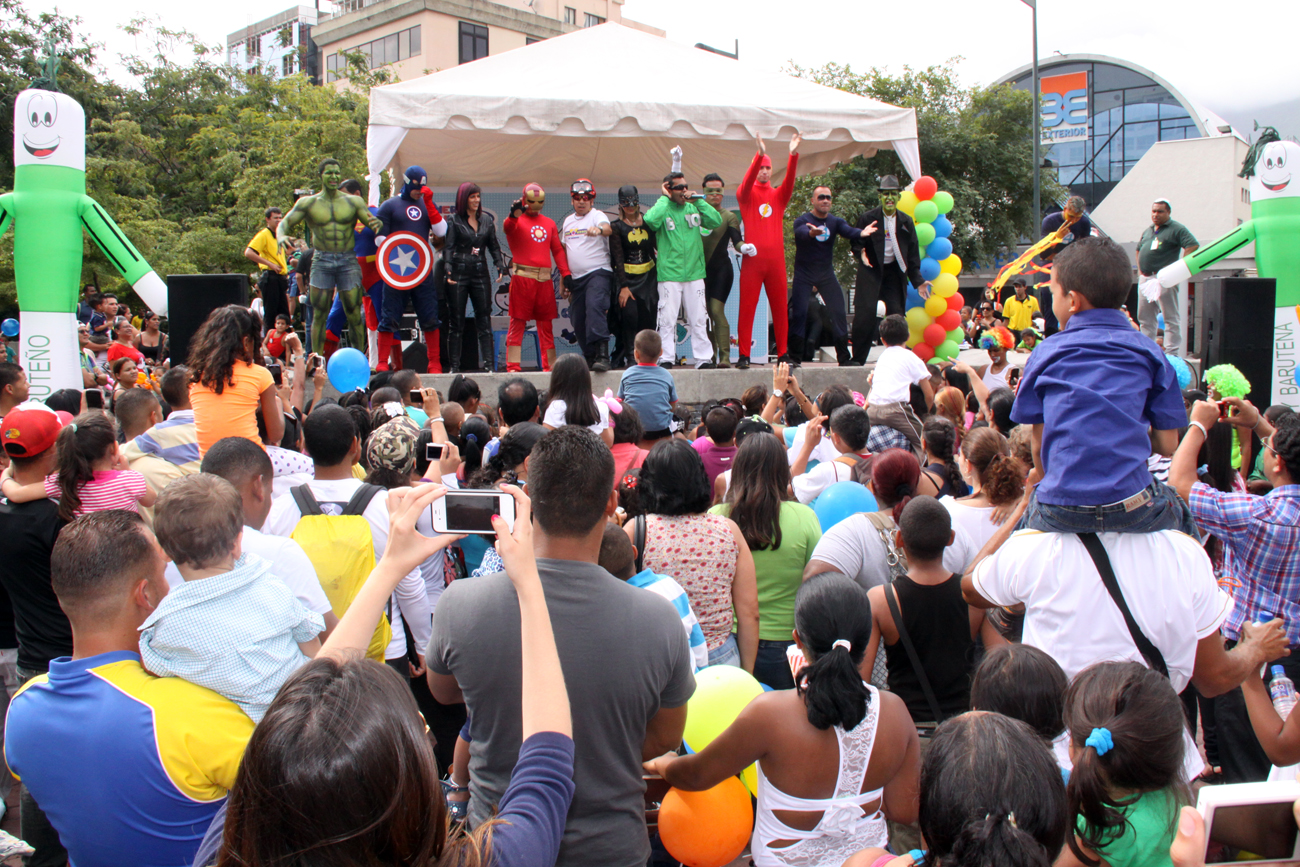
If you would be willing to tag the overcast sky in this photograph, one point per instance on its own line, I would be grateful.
(1203, 48)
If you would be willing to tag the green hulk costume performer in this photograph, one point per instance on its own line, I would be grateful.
(332, 216)
(49, 210)
(1273, 167)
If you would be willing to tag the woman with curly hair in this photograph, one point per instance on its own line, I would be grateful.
(227, 385)
(996, 479)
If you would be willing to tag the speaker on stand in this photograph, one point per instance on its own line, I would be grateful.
(1238, 314)
(191, 298)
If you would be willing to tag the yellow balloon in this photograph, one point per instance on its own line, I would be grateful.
(951, 265)
(914, 339)
(945, 285)
(749, 777)
(935, 305)
(917, 318)
(907, 202)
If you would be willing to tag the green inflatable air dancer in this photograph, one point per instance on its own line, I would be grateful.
(49, 210)
(1274, 225)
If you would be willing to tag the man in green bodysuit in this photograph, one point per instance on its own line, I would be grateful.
(332, 215)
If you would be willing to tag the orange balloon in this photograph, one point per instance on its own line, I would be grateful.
(709, 828)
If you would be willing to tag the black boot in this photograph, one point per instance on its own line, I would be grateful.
(793, 352)
(742, 363)
(601, 362)
(842, 354)
(453, 351)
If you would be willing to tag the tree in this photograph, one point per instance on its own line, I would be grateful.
(977, 143)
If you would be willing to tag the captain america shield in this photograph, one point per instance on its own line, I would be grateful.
(404, 260)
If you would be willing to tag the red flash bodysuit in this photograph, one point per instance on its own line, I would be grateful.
(533, 240)
(762, 210)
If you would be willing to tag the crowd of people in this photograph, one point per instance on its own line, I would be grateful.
(236, 627)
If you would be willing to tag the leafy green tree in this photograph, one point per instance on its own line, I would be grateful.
(975, 142)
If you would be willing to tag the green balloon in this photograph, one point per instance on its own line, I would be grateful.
(924, 233)
(925, 212)
(943, 201)
(947, 350)
(956, 336)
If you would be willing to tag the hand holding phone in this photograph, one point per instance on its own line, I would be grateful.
(1247, 822)
(472, 511)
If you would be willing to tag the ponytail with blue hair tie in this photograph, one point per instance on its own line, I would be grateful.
(1100, 740)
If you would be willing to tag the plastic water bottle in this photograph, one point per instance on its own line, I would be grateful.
(1282, 691)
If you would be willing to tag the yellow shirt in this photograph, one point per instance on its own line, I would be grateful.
(1020, 314)
(264, 245)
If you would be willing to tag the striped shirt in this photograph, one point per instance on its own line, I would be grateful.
(174, 440)
(668, 588)
(110, 489)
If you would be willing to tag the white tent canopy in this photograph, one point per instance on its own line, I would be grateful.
(607, 103)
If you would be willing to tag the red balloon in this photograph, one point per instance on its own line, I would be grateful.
(935, 334)
(925, 187)
(950, 319)
(956, 302)
(924, 351)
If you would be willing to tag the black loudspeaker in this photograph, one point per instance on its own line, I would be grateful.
(191, 298)
(1239, 330)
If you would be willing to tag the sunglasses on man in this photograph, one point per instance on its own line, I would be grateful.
(585, 197)
(823, 197)
(678, 188)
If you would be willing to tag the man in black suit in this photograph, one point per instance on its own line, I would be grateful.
(887, 261)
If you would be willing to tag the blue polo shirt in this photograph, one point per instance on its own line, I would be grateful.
(129, 768)
(1096, 387)
(649, 389)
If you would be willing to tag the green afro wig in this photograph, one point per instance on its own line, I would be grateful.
(1227, 381)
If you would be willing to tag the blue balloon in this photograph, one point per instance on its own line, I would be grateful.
(929, 268)
(841, 500)
(1182, 369)
(942, 227)
(9, 328)
(914, 298)
(348, 370)
(939, 249)
(1160, 321)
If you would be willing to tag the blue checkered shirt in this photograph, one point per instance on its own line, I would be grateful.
(236, 633)
(1261, 552)
(882, 438)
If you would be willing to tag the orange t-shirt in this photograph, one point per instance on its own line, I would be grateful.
(233, 412)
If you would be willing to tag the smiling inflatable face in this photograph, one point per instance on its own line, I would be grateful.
(1277, 174)
(49, 130)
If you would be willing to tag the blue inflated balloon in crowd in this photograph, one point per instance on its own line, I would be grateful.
(1182, 369)
(929, 268)
(939, 249)
(1160, 321)
(348, 370)
(9, 328)
(841, 500)
(914, 298)
(942, 228)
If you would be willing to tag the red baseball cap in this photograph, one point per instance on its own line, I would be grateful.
(30, 429)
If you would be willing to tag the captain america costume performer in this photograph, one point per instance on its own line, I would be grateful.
(762, 210)
(413, 211)
(534, 240)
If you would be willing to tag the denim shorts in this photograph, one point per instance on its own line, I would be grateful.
(727, 653)
(335, 271)
(1163, 510)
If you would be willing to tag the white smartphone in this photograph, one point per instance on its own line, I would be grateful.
(471, 511)
(1250, 823)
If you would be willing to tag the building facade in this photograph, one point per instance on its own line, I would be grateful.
(1100, 115)
(418, 37)
(281, 45)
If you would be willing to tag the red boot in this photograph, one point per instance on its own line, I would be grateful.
(435, 351)
(397, 362)
(330, 344)
(385, 350)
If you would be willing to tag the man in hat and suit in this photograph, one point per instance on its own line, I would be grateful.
(888, 260)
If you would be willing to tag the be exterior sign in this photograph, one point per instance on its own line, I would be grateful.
(1065, 108)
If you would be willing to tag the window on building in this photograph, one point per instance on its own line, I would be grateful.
(390, 49)
(288, 63)
(253, 47)
(473, 41)
(570, 15)
(529, 40)
(593, 20)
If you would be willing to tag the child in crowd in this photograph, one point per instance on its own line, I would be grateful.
(91, 473)
(231, 627)
(926, 605)
(1024, 683)
(618, 557)
(1104, 387)
(718, 448)
(648, 388)
(849, 429)
(1126, 742)
(571, 401)
(897, 370)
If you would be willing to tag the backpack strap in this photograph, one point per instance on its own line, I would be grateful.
(1101, 560)
(638, 531)
(305, 500)
(361, 499)
(912, 657)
